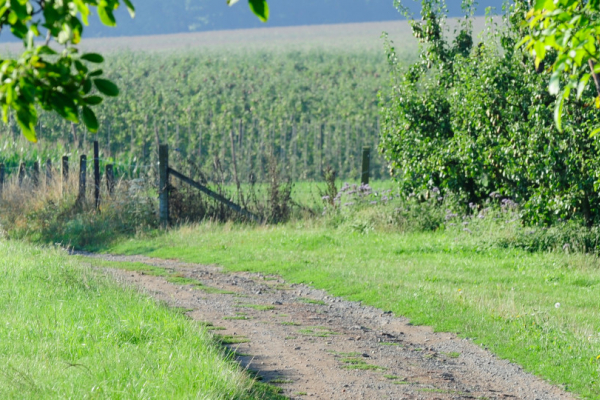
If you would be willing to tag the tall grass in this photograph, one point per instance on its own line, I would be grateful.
(68, 332)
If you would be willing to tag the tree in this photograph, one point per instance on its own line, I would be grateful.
(569, 32)
(64, 82)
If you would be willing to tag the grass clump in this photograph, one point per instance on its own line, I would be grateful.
(317, 331)
(312, 301)
(360, 364)
(70, 333)
(257, 307)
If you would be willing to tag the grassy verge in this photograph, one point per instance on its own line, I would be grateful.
(67, 332)
(541, 310)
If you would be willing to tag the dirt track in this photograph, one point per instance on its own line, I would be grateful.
(316, 346)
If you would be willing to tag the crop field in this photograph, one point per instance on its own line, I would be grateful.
(305, 97)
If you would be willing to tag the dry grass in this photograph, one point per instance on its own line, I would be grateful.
(54, 212)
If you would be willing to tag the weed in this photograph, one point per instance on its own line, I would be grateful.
(290, 323)
(317, 331)
(231, 339)
(312, 301)
(237, 318)
(281, 380)
(359, 363)
(256, 307)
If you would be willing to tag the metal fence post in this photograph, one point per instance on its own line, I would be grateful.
(82, 176)
(366, 161)
(163, 188)
(96, 175)
(65, 173)
(1, 178)
(48, 171)
(21, 173)
(110, 179)
(35, 176)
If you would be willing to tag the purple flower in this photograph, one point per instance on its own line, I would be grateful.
(450, 216)
(325, 198)
(435, 190)
(467, 230)
(440, 198)
(348, 204)
(373, 203)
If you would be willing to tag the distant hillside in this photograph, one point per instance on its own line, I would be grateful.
(156, 17)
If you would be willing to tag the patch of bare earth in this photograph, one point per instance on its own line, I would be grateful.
(313, 345)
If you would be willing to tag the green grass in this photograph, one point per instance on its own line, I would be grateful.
(360, 364)
(69, 332)
(312, 301)
(502, 298)
(316, 331)
(257, 307)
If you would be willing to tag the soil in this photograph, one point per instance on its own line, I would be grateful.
(313, 345)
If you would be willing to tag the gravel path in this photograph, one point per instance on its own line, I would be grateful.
(316, 346)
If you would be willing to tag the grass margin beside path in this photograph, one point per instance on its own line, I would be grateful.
(70, 332)
(540, 310)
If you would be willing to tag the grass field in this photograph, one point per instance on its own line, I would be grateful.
(68, 332)
(538, 309)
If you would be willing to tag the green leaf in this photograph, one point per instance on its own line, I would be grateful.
(97, 72)
(260, 8)
(93, 58)
(595, 132)
(93, 100)
(106, 14)
(89, 119)
(130, 8)
(231, 2)
(106, 87)
(582, 85)
(27, 121)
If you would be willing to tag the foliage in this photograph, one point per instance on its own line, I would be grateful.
(310, 109)
(60, 82)
(568, 33)
(42, 77)
(476, 121)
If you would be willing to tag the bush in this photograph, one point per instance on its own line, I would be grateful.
(477, 119)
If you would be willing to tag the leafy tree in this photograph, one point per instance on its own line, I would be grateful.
(65, 82)
(569, 31)
(476, 121)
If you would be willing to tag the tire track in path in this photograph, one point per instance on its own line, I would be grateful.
(313, 345)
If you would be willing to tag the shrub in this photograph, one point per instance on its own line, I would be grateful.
(477, 119)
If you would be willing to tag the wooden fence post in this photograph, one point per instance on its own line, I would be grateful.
(163, 188)
(1, 178)
(65, 173)
(110, 179)
(96, 175)
(366, 161)
(35, 176)
(48, 171)
(82, 176)
(21, 173)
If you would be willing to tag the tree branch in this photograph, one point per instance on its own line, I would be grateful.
(595, 76)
